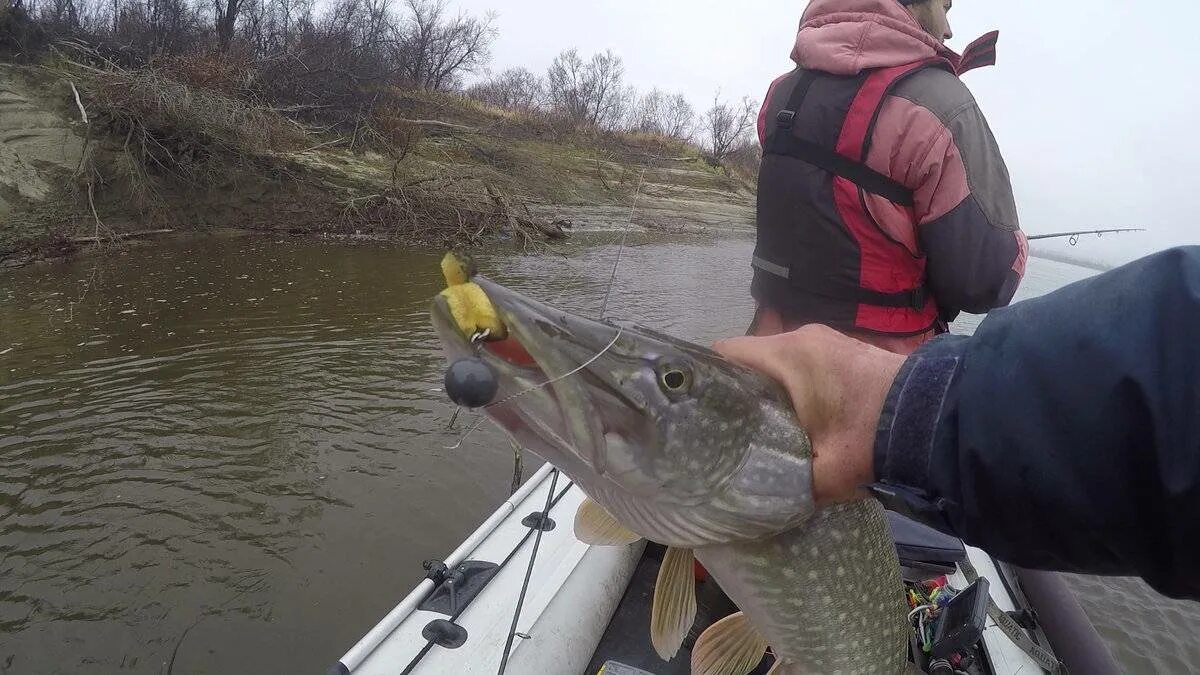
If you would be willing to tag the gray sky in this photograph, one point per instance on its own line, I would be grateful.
(1096, 104)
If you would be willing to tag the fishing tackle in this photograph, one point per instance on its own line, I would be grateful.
(471, 382)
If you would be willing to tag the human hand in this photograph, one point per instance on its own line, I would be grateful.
(837, 385)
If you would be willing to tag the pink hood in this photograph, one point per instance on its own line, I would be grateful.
(845, 37)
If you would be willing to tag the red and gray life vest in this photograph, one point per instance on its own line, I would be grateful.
(820, 255)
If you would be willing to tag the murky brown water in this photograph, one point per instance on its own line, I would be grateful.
(232, 453)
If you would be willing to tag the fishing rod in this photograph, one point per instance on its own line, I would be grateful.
(1074, 236)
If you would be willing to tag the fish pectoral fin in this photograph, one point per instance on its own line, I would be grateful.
(731, 646)
(596, 526)
(674, 608)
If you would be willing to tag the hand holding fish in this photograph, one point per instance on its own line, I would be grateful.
(837, 385)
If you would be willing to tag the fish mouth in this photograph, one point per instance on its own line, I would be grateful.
(549, 400)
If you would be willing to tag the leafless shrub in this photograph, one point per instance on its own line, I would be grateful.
(449, 208)
(175, 128)
(678, 118)
(646, 113)
(307, 51)
(744, 160)
(225, 73)
(728, 125)
(589, 93)
(664, 115)
(513, 89)
(394, 133)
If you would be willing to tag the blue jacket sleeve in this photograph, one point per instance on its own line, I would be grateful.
(1065, 434)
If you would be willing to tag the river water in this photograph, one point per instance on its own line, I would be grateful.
(229, 455)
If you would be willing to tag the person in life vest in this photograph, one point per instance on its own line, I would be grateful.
(884, 205)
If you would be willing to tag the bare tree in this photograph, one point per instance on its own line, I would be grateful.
(514, 89)
(647, 113)
(226, 18)
(438, 48)
(588, 93)
(678, 117)
(728, 125)
(658, 113)
(565, 86)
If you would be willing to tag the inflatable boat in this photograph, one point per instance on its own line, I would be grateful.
(522, 595)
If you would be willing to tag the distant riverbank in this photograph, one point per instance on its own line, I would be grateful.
(97, 157)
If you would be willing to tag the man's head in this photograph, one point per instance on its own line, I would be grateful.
(931, 14)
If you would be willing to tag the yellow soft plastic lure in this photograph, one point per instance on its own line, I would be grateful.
(469, 305)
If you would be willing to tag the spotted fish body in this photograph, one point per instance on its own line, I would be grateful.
(826, 594)
(691, 451)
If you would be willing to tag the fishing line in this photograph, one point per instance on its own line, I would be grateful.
(479, 420)
(565, 375)
(603, 307)
(470, 430)
(624, 235)
(579, 272)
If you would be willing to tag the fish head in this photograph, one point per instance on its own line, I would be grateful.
(623, 409)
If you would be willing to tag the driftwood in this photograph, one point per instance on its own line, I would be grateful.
(82, 113)
(523, 226)
(440, 124)
(118, 236)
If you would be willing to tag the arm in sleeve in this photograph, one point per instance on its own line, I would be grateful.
(1064, 435)
(966, 215)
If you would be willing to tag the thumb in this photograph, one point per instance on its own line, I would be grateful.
(757, 353)
(777, 357)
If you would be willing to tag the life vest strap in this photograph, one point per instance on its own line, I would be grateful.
(782, 141)
(913, 298)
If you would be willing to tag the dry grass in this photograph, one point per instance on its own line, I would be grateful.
(180, 130)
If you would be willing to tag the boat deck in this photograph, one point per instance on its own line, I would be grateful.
(626, 640)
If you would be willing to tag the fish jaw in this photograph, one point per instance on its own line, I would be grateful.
(725, 462)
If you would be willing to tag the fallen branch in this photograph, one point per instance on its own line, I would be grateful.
(298, 108)
(78, 102)
(684, 158)
(439, 123)
(117, 236)
(339, 139)
(92, 203)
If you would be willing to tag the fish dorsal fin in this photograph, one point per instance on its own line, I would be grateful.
(595, 525)
(731, 646)
(674, 609)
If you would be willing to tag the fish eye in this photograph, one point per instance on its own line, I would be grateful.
(674, 379)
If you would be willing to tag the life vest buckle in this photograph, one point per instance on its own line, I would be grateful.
(917, 298)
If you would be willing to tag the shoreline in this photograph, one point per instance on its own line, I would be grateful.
(492, 176)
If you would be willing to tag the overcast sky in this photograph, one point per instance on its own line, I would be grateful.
(1095, 103)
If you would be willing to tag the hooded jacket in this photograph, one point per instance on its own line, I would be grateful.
(931, 137)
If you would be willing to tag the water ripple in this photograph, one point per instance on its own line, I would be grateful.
(245, 440)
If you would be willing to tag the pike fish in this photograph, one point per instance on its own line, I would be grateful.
(677, 445)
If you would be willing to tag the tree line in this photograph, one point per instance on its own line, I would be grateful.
(593, 92)
(309, 56)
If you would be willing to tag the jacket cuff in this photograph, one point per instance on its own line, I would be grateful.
(908, 429)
